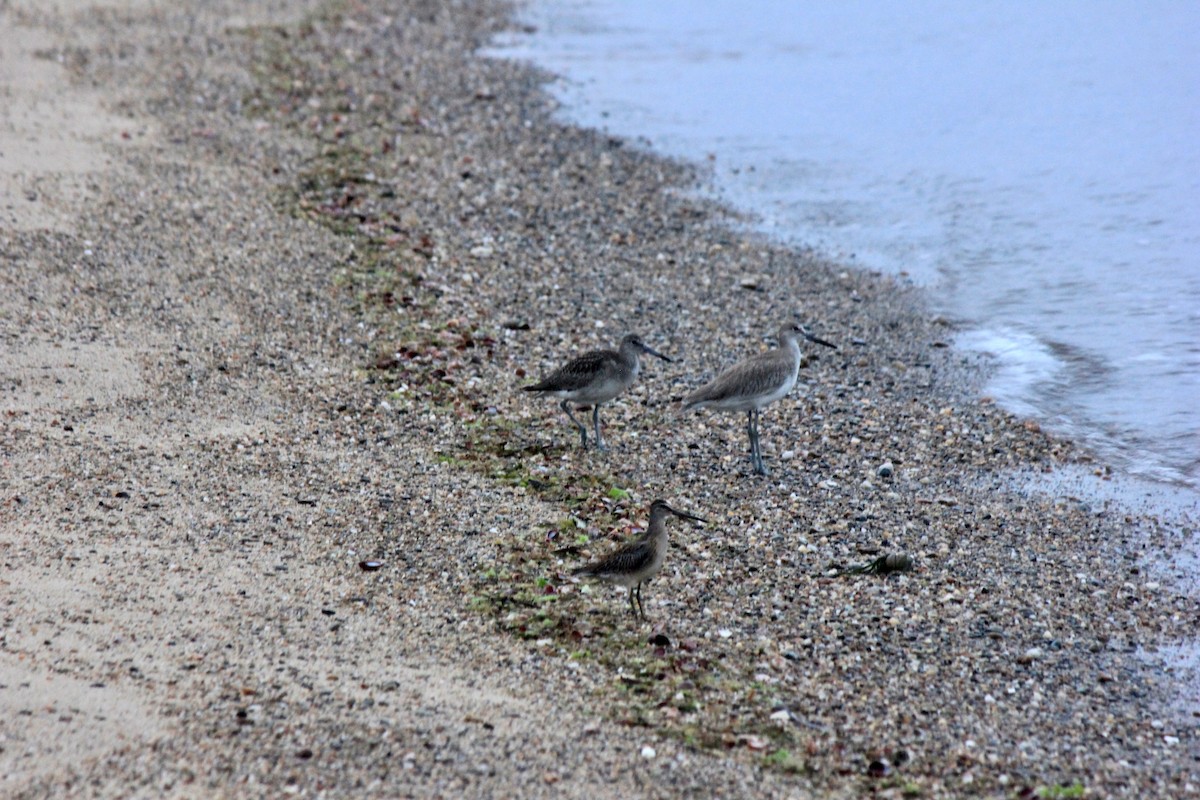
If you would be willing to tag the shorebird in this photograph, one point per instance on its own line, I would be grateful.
(756, 382)
(639, 560)
(593, 379)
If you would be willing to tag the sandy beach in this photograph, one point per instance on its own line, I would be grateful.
(275, 517)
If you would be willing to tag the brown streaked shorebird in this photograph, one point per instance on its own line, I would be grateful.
(593, 379)
(640, 560)
(756, 382)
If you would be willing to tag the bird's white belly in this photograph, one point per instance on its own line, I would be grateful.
(745, 402)
(596, 392)
(778, 394)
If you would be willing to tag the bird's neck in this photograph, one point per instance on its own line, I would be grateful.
(630, 356)
(791, 344)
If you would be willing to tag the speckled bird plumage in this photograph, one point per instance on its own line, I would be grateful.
(638, 561)
(594, 378)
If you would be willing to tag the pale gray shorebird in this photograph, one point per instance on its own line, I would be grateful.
(593, 379)
(756, 382)
(640, 560)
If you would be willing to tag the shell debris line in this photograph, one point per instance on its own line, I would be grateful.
(884, 450)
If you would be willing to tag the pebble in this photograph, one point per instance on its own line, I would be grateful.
(1030, 655)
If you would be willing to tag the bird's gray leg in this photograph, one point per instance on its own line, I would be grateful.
(758, 444)
(754, 440)
(566, 406)
(750, 431)
(759, 466)
(596, 425)
(641, 608)
(632, 607)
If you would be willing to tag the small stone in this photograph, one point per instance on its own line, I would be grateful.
(1030, 655)
(724, 633)
(482, 251)
(886, 470)
(648, 752)
(781, 716)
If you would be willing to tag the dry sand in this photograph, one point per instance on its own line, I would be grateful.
(208, 420)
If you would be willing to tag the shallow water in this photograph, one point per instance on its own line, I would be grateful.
(1035, 166)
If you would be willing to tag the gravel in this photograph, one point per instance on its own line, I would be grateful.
(281, 338)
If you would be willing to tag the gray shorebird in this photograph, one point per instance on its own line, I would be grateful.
(754, 383)
(640, 560)
(593, 379)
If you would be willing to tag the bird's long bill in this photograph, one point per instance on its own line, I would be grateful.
(686, 515)
(654, 352)
(817, 339)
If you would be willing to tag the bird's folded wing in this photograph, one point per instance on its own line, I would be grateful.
(757, 375)
(626, 560)
(577, 373)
